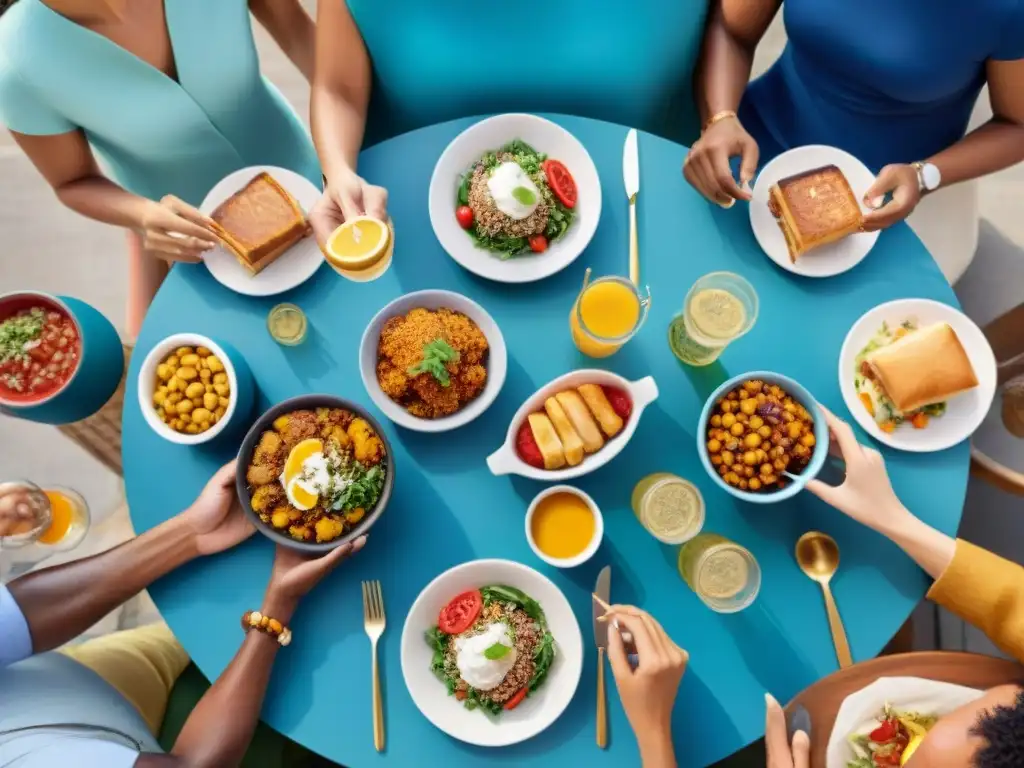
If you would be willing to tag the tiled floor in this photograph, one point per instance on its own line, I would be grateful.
(45, 246)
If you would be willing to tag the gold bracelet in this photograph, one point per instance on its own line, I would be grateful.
(266, 625)
(725, 114)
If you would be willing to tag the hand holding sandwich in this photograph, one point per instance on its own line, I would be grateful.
(173, 230)
(346, 196)
(902, 181)
(867, 496)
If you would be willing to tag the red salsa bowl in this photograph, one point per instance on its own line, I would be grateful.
(40, 349)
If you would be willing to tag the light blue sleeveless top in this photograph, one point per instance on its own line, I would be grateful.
(626, 62)
(155, 135)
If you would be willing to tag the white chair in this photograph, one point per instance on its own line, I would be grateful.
(947, 223)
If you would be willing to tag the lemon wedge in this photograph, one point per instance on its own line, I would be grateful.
(911, 748)
(298, 456)
(358, 244)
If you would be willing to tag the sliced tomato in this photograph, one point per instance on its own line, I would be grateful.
(538, 243)
(464, 215)
(527, 448)
(887, 730)
(460, 613)
(460, 695)
(516, 700)
(561, 182)
(619, 401)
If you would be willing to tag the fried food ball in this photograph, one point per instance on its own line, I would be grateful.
(367, 447)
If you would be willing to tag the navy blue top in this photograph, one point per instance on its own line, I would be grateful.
(888, 81)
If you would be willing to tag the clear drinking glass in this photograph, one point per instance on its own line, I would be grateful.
(719, 308)
(670, 508)
(607, 313)
(287, 324)
(722, 573)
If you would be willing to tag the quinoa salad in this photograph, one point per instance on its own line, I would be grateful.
(515, 200)
(492, 648)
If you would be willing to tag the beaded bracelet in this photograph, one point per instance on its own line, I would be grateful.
(725, 114)
(266, 625)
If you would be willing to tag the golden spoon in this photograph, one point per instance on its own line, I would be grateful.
(817, 554)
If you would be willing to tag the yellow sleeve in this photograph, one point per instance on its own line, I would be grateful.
(986, 591)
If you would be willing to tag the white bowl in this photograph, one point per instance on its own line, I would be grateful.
(147, 385)
(497, 362)
(964, 413)
(828, 260)
(595, 542)
(486, 136)
(505, 460)
(537, 711)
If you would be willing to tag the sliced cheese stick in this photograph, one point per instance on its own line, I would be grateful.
(548, 442)
(581, 420)
(571, 442)
(597, 402)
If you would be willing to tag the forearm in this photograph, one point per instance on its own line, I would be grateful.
(220, 728)
(656, 750)
(929, 548)
(98, 198)
(62, 602)
(996, 145)
(723, 70)
(338, 120)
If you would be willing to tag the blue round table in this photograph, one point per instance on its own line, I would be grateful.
(447, 508)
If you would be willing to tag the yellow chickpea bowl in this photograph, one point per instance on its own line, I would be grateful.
(191, 388)
(758, 428)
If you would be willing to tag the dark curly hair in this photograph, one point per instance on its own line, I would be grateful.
(1002, 730)
(5, 4)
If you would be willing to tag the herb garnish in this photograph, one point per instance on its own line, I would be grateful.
(436, 354)
(16, 332)
(496, 651)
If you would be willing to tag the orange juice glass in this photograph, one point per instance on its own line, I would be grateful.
(607, 313)
(69, 519)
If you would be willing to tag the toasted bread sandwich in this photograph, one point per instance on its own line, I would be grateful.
(260, 222)
(927, 366)
(814, 208)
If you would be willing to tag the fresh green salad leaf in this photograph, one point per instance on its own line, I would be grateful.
(436, 355)
(464, 189)
(501, 593)
(16, 332)
(497, 651)
(362, 489)
(543, 657)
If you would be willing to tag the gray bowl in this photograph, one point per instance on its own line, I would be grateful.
(263, 423)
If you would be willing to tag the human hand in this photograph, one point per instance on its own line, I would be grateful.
(707, 164)
(173, 230)
(346, 197)
(294, 574)
(648, 693)
(776, 741)
(902, 181)
(216, 517)
(866, 494)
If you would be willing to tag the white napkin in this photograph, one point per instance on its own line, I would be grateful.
(859, 712)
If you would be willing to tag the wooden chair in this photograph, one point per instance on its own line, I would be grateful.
(824, 698)
(996, 456)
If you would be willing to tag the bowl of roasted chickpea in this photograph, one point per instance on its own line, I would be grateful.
(192, 387)
(762, 437)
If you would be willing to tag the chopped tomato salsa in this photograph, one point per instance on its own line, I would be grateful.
(40, 349)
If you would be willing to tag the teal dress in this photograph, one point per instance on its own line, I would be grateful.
(154, 135)
(625, 62)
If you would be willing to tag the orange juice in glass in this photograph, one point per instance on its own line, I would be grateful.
(69, 519)
(607, 313)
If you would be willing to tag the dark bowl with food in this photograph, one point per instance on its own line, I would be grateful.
(315, 472)
(757, 427)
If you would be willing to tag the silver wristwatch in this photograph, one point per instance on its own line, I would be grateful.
(928, 176)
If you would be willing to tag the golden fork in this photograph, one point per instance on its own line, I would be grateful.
(374, 621)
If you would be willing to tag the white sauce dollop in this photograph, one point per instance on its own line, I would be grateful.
(476, 669)
(503, 183)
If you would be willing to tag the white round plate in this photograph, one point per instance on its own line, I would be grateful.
(488, 135)
(497, 360)
(294, 267)
(964, 413)
(828, 260)
(540, 709)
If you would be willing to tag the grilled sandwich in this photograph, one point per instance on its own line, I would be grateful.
(814, 208)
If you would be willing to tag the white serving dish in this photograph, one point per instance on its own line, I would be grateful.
(537, 711)
(147, 385)
(505, 460)
(488, 135)
(964, 413)
(595, 542)
(497, 363)
(292, 268)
